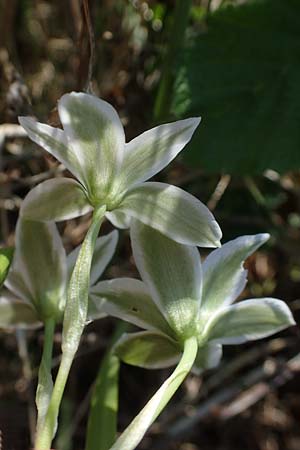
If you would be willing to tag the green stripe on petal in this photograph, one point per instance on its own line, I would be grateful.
(96, 135)
(224, 276)
(172, 272)
(128, 299)
(249, 320)
(173, 212)
(153, 150)
(56, 199)
(41, 262)
(148, 350)
(55, 142)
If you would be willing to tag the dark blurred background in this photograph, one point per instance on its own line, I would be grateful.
(237, 64)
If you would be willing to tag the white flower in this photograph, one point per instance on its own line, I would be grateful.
(178, 299)
(112, 173)
(37, 280)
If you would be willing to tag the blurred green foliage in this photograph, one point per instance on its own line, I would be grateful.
(241, 74)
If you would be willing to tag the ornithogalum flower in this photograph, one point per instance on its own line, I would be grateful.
(35, 288)
(179, 299)
(112, 173)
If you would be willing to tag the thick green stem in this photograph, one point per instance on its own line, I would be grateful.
(177, 34)
(74, 321)
(134, 433)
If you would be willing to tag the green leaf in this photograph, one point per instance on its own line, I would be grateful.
(148, 349)
(173, 212)
(224, 277)
(56, 199)
(248, 320)
(6, 256)
(102, 421)
(241, 74)
(172, 272)
(127, 299)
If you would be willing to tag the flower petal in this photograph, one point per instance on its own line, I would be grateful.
(224, 277)
(173, 212)
(148, 350)
(96, 135)
(128, 299)
(118, 219)
(55, 142)
(172, 272)
(208, 357)
(153, 150)
(104, 250)
(56, 199)
(15, 313)
(249, 320)
(40, 260)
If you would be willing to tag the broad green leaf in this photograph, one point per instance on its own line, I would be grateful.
(16, 313)
(172, 273)
(40, 261)
(95, 133)
(249, 320)
(128, 299)
(208, 357)
(173, 212)
(241, 73)
(55, 142)
(56, 199)
(148, 349)
(102, 421)
(224, 277)
(104, 250)
(153, 150)
(6, 256)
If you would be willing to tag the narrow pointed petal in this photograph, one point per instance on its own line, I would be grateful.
(249, 320)
(173, 212)
(172, 272)
(104, 250)
(15, 313)
(96, 135)
(224, 276)
(118, 219)
(41, 261)
(148, 350)
(208, 357)
(56, 199)
(55, 142)
(128, 299)
(153, 150)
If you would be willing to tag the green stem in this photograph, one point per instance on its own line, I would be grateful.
(74, 322)
(177, 34)
(134, 433)
(45, 385)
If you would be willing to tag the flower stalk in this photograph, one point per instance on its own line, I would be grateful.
(134, 433)
(74, 321)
